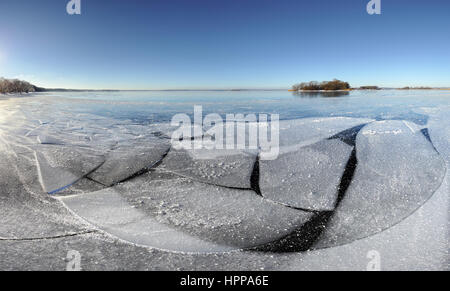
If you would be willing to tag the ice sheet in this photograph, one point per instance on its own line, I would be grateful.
(398, 171)
(60, 167)
(219, 167)
(439, 130)
(418, 243)
(26, 212)
(57, 120)
(237, 218)
(301, 132)
(109, 211)
(307, 178)
(127, 159)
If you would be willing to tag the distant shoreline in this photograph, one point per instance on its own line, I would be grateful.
(25, 87)
(44, 90)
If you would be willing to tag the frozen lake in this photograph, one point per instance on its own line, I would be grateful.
(357, 171)
(159, 106)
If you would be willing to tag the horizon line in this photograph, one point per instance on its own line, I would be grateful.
(236, 90)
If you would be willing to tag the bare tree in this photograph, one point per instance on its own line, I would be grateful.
(15, 86)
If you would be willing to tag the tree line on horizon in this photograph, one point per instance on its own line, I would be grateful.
(16, 86)
(415, 88)
(323, 86)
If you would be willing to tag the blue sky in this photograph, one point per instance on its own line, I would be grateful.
(174, 44)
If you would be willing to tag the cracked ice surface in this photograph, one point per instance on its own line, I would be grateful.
(219, 167)
(181, 205)
(398, 170)
(70, 146)
(26, 212)
(60, 167)
(128, 159)
(439, 129)
(298, 133)
(307, 178)
(109, 211)
(237, 218)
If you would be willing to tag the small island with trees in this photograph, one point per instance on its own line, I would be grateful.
(335, 85)
(326, 86)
